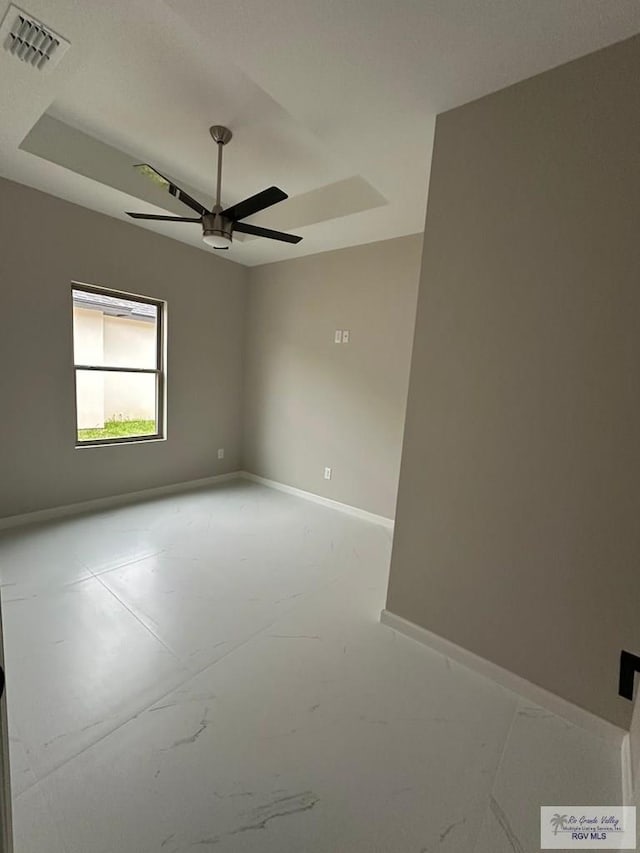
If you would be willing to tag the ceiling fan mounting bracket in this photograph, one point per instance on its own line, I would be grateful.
(220, 134)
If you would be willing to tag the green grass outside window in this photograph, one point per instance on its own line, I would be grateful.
(118, 429)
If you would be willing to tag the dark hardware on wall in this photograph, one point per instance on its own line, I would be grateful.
(629, 665)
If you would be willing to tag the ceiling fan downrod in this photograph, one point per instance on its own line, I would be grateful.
(217, 231)
(220, 135)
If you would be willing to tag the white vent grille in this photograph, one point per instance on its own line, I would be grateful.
(31, 41)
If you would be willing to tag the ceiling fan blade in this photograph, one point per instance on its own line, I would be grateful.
(245, 228)
(164, 218)
(255, 203)
(160, 180)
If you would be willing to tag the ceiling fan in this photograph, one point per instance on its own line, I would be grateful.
(218, 225)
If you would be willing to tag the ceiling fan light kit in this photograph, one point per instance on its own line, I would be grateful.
(217, 231)
(217, 224)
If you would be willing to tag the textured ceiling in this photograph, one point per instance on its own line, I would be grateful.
(332, 101)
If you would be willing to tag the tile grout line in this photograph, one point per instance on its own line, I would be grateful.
(171, 651)
(498, 767)
(192, 674)
(326, 584)
(123, 565)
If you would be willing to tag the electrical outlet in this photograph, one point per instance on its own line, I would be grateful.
(338, 337)
(221, 453)
(346, 334)
(327, 473)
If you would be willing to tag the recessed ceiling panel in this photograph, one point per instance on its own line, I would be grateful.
(60, 143)
(66, 146)
(342, 198)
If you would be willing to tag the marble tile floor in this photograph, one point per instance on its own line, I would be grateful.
(208, 672)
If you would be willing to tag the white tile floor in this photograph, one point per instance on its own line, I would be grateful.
(208, 672)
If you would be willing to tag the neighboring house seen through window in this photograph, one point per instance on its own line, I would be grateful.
(118, 356)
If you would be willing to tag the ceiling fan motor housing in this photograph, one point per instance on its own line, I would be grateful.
(215, 226)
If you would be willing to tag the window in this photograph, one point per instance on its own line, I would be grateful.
(118, 354)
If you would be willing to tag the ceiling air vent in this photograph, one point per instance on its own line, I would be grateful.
(30, 40)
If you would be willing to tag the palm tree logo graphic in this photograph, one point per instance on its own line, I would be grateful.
(558, 822)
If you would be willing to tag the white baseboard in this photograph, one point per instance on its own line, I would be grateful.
(626, 771)
(111, 501)
(311, 496)
(175, 488)
(516, 684)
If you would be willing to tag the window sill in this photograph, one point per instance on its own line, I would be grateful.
(115, 442)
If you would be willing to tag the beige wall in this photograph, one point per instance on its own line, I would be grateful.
(129, 396)
(518, 533)
(39, 464)
(310, 403)
(634, 748)
(128, 342)
(88, 344)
